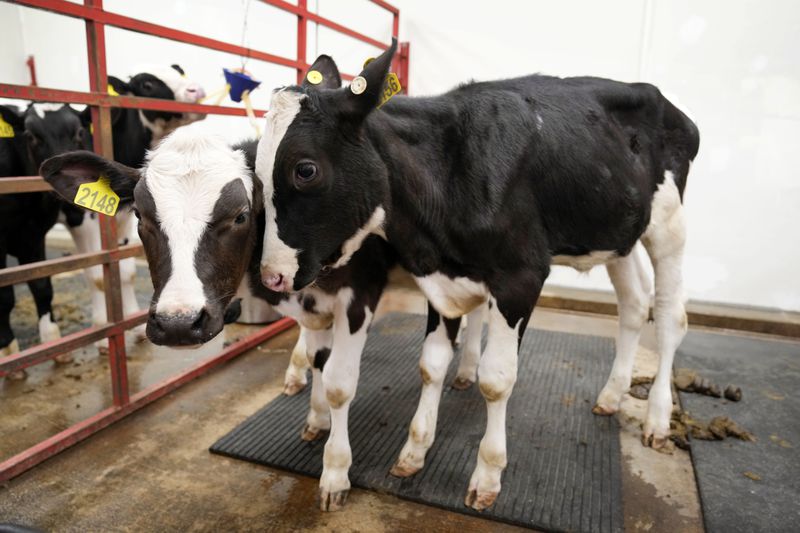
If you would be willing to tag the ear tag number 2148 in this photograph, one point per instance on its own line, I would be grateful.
(98, 196)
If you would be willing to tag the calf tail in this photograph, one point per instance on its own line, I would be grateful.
(682, 140)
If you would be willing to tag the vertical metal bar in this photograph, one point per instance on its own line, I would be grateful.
(403, 68)
(103, 145)
(302, 38)
(31, 62)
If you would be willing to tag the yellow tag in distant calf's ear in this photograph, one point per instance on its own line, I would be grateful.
(314, 77)
(98, 196)
(110, 90)
(6, 129)
(390, 88)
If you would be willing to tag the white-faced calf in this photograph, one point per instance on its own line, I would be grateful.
(479, 191)
(134, 131)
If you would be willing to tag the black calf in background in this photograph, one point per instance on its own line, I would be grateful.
(26, 218)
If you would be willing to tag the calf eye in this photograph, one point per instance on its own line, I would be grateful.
(240, 219)
(136, 213)
(305, 171)
(33, 139)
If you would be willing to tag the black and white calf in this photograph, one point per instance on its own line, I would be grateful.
(134, 131)
(201, 222)
(41, 131)
(479, 190)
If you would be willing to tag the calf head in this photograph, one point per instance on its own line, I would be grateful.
(45, 130)
(198, 208)
(324, 181)
(166, 83)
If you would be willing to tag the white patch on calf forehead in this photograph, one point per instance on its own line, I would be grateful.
(171, 77)
(185, 175)
(278, 257)
(41, 109)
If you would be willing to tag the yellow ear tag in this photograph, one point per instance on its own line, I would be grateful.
(314, 77)
(110, 89)
(6, 129)
(390, 88)
(98, 196)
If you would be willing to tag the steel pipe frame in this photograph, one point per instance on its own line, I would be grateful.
(17, 464)
(101, 103)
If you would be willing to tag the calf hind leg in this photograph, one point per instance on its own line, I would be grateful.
(633, 302)
(471, 350)
(664, 241)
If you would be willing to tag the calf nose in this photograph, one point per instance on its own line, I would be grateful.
(195, 92)
(184, 329)
(274, 282)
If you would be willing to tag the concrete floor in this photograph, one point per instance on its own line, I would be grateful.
(153, 472)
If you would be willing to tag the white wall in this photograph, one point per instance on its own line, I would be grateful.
(733, 63)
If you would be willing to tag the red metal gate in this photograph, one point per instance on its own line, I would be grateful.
(96, 18)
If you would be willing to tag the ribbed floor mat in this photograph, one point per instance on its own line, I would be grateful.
(563, 462)
(748, 486)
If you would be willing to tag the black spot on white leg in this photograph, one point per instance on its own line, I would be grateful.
(452, 326)
(308, 302)
(433, 320)
(321, 357)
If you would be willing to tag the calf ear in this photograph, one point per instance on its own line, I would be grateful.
(323, 74)
(360, 103)
(68, 171)
(119, 86)
(13, 118)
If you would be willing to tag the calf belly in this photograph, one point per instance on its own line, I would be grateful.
(584, 263)
(452, 297)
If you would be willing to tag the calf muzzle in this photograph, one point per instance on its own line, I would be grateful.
(184, 329)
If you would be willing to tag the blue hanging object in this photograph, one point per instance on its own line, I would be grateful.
(239, 83)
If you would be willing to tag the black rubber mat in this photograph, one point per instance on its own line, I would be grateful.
(769, 374)
(563, 462)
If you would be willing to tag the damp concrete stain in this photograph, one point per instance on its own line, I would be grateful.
(659, 490)
(783, 443)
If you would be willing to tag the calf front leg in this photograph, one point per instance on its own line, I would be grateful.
(42, 291)
(318, 420)
(296, 377)
(130, 305)
(8, 344)
(437, 351)
(340, 379)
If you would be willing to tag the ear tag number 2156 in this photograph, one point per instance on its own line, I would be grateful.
(98, 196)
